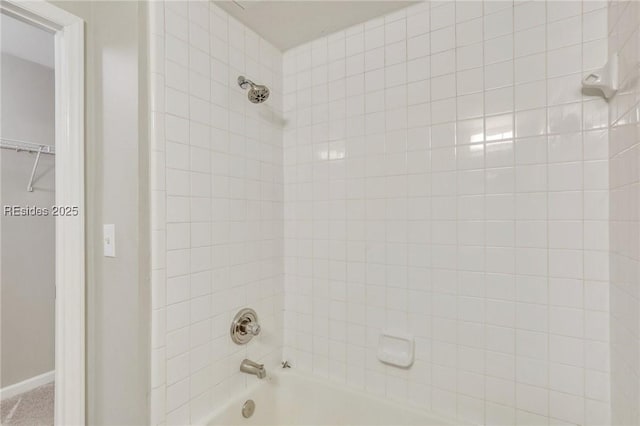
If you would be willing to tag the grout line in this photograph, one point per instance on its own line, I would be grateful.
(546, 138)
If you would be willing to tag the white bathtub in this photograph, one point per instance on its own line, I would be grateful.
(289, 398)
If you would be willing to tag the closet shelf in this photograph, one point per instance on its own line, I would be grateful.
(39, 149)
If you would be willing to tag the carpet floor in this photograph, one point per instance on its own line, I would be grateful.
(33, 408)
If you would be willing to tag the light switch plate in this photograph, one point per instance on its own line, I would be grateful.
(109, 240)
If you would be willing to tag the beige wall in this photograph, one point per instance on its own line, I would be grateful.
(27, 280)
(117, 288)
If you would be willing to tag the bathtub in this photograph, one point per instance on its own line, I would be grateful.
(290, 398)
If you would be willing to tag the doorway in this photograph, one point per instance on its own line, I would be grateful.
(27, 193)
(42, 374)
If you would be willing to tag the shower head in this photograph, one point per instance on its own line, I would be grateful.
(257, 93)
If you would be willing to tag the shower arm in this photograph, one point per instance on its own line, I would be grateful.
(243, 82)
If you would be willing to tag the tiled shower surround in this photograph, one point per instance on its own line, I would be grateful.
(624, 116)
(445, 175)
(218, 206)
(437, 170)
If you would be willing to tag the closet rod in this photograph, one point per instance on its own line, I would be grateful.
(19, 145)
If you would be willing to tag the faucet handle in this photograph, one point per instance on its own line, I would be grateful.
(244, 326)
(252, 328)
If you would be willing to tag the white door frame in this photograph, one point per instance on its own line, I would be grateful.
(69, 188)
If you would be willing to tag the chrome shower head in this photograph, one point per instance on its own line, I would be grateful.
(257, 93)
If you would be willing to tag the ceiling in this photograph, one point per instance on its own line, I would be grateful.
(26, 41)
(287, 24)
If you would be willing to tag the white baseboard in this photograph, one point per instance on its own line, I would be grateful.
(27, 385)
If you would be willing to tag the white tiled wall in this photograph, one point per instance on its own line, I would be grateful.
(624, 113)
(445, 174)
(440, 171)
(217, 197)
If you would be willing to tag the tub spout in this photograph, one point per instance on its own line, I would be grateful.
(250, 367)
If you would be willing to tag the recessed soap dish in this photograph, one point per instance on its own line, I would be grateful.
(396, 348)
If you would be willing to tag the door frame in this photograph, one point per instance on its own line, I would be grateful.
(70, 348)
